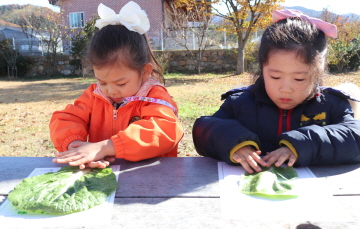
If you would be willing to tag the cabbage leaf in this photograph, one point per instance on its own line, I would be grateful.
(271, 182)
(66, 191)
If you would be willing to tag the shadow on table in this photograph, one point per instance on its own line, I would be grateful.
(163, 178)
(307, 226)
(333, 170)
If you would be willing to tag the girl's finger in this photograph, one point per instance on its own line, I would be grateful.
(244, 163)
(258, 152)
(109, 159)
(258, 159)
(267, 156)
(272, 160)
(281, 160)
(105, 163)
(93, 164)
(77, 162)
(292, 160)
(65, 159)
(252, 163)
(236, 157)
(247, 167)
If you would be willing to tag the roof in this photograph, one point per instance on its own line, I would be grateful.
(7, 33)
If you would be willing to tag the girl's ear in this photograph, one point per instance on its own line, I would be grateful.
(146, 71)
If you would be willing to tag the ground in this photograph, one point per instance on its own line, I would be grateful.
(26, 106)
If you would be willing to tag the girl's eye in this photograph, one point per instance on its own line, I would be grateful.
(275, 78)
(299, 80)
(121, 85)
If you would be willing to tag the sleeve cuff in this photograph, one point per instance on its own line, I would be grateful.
(119, 146)
(70, 139)
(238, 146)
(290, 146)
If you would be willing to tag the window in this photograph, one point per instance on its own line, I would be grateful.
(76, 20)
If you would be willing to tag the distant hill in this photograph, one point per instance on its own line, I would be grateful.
(4, 23)
(315, 13)
(10, 14)
(6, 9)
(309, 12)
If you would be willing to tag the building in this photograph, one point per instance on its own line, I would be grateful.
(25, 43)
(77, 12)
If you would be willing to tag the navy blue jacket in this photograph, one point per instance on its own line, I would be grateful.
(322, 129)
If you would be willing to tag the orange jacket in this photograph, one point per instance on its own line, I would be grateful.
(139, 129)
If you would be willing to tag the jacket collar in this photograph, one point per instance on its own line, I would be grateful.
(143, 91)
(260, 92)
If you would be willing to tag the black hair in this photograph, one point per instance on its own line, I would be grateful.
(115, 44)
(301, 36)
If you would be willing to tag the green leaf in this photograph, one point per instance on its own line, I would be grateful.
(66, 191)
(271, 182)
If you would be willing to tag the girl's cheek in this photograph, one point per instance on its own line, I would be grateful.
(103, 90)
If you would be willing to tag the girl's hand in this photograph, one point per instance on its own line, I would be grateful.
(249, 158)
(94, 164)
(99, 164)
(280, 156)
(87, 154)
(75, 144)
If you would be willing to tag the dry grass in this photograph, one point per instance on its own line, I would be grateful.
(26, 107)
(25, 111)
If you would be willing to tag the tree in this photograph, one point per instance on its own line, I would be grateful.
(190, 21)
(30, 20)
(347, 45)
(244, 17)
(80, 40)
(10, 55)
(47, 25)
(51, 36)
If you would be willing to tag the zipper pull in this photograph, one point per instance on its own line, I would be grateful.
(285, 113)
(115, 116)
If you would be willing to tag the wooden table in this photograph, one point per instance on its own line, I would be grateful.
(182, 192)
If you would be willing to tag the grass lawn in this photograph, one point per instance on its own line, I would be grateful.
(26, 106)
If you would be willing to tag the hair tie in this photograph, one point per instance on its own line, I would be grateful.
(131, 16)
(328, 28)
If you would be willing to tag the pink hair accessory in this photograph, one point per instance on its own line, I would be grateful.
(328, 28)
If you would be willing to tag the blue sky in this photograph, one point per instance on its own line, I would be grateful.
(336, 6)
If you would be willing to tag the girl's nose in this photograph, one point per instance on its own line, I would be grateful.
(286, 87)
(112, 91)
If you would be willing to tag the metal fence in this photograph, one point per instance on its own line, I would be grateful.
(32, 47)
(27, 46)
(175, 40)
(166, 41)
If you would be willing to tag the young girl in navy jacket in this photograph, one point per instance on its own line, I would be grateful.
(285, 115)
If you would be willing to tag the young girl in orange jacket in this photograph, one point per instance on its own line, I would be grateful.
(128, 113)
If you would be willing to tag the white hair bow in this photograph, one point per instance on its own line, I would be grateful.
(131, 16)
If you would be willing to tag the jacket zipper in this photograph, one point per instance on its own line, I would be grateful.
(284, 124)
(115, 116)
(284, 117)
(114, 113)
